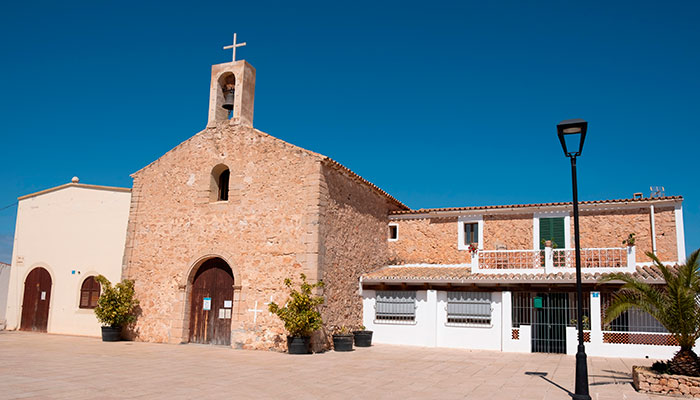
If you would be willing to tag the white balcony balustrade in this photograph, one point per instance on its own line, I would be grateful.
(549, 260)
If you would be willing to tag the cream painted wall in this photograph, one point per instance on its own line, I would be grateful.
(76, 227)
(4, 286)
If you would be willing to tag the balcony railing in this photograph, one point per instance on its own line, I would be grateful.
(510, 259)
(611, 257)
(554, 260)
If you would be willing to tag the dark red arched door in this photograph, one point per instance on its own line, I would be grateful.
(35, 304)
(212, 303)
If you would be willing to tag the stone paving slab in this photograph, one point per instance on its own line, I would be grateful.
(43, 366)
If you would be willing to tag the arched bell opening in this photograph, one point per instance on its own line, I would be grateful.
(227, 84)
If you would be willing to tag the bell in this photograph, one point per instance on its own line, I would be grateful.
(228, 100)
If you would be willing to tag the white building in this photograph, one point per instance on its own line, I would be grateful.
(513, 290)
(64, 237)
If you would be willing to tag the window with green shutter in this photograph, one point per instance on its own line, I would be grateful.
(552, 229)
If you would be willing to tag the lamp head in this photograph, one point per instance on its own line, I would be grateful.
(572, 133)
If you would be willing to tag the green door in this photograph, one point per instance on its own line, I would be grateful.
(552, 229)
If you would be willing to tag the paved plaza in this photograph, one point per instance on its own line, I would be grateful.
(43, 366)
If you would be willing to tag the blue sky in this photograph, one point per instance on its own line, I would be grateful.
(438, 103)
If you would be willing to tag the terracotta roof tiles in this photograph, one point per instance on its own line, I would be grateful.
(555, 204)
(462, 274)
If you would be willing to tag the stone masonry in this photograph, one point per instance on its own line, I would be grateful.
(647, 381)
(434, 240)
(282, 201)
(353, 241)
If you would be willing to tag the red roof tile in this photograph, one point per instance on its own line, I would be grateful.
(611, 201)
(457, 275)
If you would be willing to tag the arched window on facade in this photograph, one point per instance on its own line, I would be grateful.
(220, 177)
(89, 293)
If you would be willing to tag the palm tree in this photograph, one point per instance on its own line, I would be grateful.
(675, 305)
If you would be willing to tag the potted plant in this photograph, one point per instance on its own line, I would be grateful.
(300, 315)
(115, 307)
(363, 337)
(630, 240)
(342, 340)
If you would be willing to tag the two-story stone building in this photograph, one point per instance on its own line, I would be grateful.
(503, 277)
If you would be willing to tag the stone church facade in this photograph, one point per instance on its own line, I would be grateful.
(287, 211)
(217, 224)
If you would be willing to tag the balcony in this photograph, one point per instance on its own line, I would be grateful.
(549, 260)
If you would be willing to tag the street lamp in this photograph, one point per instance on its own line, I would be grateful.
(572, 133)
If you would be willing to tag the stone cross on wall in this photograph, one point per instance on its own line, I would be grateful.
(233, 46)
(255, 311)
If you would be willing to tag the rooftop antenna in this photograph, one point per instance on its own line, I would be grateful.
(657, 191)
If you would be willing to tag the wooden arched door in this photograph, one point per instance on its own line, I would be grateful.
(35, 304)
(212, 303)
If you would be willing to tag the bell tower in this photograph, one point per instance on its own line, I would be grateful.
(232, 91)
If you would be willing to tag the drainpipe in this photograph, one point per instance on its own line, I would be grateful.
(653, 230)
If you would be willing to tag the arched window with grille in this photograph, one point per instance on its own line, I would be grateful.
(89, 293)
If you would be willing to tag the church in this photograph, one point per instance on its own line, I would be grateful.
(210, 230)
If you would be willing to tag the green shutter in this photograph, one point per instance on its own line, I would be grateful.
(552, 229)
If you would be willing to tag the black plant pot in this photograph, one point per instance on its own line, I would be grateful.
(363, 338)
(299, 344)
(342, 342)
(111, 333)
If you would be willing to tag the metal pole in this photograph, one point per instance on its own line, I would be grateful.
(581, 364)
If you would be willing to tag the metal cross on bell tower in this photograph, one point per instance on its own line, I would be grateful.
(233, 46)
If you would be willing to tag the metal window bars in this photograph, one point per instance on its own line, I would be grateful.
(522, 306)
(469, 308)
(396, 305)
(633, 320)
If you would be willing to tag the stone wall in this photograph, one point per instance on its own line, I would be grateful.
(266, 231)
(609, 228)
(647, 381)
(353, 232)
(514, 231)
(435, 240)
(427, 240)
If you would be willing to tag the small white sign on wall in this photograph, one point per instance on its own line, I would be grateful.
(206, 305)
(228, 303)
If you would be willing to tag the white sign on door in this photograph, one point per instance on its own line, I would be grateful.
(206, 306)
(228, 303)
(43, 295)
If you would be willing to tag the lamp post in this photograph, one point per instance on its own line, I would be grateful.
(572, 133)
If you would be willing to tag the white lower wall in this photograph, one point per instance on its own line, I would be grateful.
(420, 332)
(430, 329)
(487, 337)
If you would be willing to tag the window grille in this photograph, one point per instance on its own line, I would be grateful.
(469, 308)
(396, 305)
(522, 309)
(634, 320)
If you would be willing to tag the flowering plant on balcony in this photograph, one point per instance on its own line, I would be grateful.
(473, 248)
